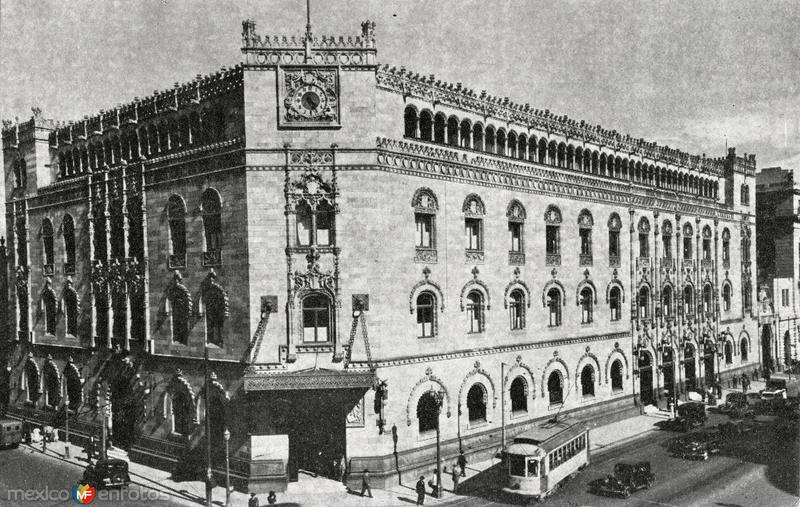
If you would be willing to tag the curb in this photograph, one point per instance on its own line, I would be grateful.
(607, 449)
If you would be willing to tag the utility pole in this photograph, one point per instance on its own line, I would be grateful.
(503, 404)
(209, 477)
(66, 425)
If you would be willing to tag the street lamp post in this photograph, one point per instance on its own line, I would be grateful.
(439, 398)
(227, 436)
(66, 426)
(209, 476)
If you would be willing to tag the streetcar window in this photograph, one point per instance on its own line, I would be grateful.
(533, 468)
(516, 465)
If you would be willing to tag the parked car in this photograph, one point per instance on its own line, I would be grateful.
(781, 385)
(10, 432)
(737, 406)
(627, 478)
(699, 445)
(107, 473)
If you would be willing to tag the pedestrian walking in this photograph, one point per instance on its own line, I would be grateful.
(735, 381)
(271, 498)
(462, 463)
(456, 477)
(421, 490)
(719, 391)
(434, 485)
(253, 501)
(365, 483)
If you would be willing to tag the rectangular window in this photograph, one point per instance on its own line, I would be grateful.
(644, 246)
(424, 230)
(667, 240)
(687, 248)
(474, 317)
(613, 243)
(707, 249)
(785, 297)
(424, 321)
(586, 241)
(515, 233)
(324, 223)
(552, 240)
(304, 229)
(472, 230)
(515, 314)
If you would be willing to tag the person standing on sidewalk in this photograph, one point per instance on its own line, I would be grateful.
(421, 490)
(253, 501)
(462, 463)
(365, 483)
(456, 477)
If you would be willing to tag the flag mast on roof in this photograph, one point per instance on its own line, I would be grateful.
(308, 31)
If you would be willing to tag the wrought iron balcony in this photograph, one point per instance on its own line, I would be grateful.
(586, 260)
(474, 255)
(516, 258)
(552, 259)
(212, 258)
(177, 261)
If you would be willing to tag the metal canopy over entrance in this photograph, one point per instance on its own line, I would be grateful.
(311, 378)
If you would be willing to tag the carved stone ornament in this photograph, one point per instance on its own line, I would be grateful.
(585, 219)
(552, 215)
(614, 222)
(355, 419)
(425, 201)
(309, 98)
(644, 225)
(21, 280)
(666, 228)
(473, 206)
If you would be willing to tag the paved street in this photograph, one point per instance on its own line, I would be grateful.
(50, 480)
(761, 470)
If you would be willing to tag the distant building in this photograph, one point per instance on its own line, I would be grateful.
(778, 251)
(353, 243)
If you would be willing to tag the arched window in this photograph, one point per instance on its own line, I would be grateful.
(728, 352)
(519, 395)
(214, 301)
(211, 208)
(411, 121)
(475, 311)
(304, 224)
(707, 243)
(452, 131)
(71, 310)
(726, 248)
(52, 386)
(180, 310)
(554, 306)
(587, 381)
(542, 151)
(465, 137)
(425, 208)
(476, 403)
(426, 126)
(74, 387)
(176, 213)
(49, 309)
(316, 319)
(516, 222)
(614, 227)
(708, 300)
(47, 246)
(117, 230)
(477, 137)
(745, 197)
(516, 309)
(489, 139)
(743, 350)
(473, 209)
(68, 229)
(552, 220)
(181, 412)
(726, 297)
(427, 412)
(687, 242)
(21, 233)
(616, 375)
(31, 381)
(585, 223)
(586, 305)
(615, 303)
(688, 300)
(666, 300)
(120, 306)
(666, 239)
(439, 128)
(426, 314)
(644, 237)
(644, 302)
(555, 389)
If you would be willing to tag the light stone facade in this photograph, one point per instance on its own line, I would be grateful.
(331, 130)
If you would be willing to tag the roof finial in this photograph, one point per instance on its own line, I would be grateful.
(308, 19)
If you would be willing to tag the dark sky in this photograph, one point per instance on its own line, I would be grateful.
(689, 74)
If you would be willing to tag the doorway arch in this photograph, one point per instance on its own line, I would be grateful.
(646, 378)
(766, 348)
(689, 370)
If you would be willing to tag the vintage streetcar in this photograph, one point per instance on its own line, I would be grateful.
(10, 433)
(542, 459)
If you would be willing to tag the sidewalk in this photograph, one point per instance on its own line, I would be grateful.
(308, 491)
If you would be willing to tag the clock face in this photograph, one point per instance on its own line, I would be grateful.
(310, 101)
(309, 98)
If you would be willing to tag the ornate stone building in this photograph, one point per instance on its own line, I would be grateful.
(351, 242)
(778, 242)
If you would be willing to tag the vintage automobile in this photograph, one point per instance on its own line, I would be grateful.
(698, 445)
(107, 473)
(737, 406)
(627, 478)
(690, 415)
(10, 432)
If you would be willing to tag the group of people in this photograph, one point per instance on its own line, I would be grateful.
(458, 470)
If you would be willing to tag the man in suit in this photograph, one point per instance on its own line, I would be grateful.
(421, 490)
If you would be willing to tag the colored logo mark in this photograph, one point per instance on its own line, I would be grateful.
(83, 493)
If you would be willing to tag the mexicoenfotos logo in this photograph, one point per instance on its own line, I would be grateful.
(83, 493)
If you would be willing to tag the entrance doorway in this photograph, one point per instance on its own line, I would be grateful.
(766, 349)
(315, 421)
(124, 413)
(689, 368)
(646, 378)
(668, 367)
(709, 363)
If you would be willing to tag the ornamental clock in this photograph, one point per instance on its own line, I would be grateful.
(308, 98)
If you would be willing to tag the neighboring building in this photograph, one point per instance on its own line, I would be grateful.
(338, 231)
(778, 258)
